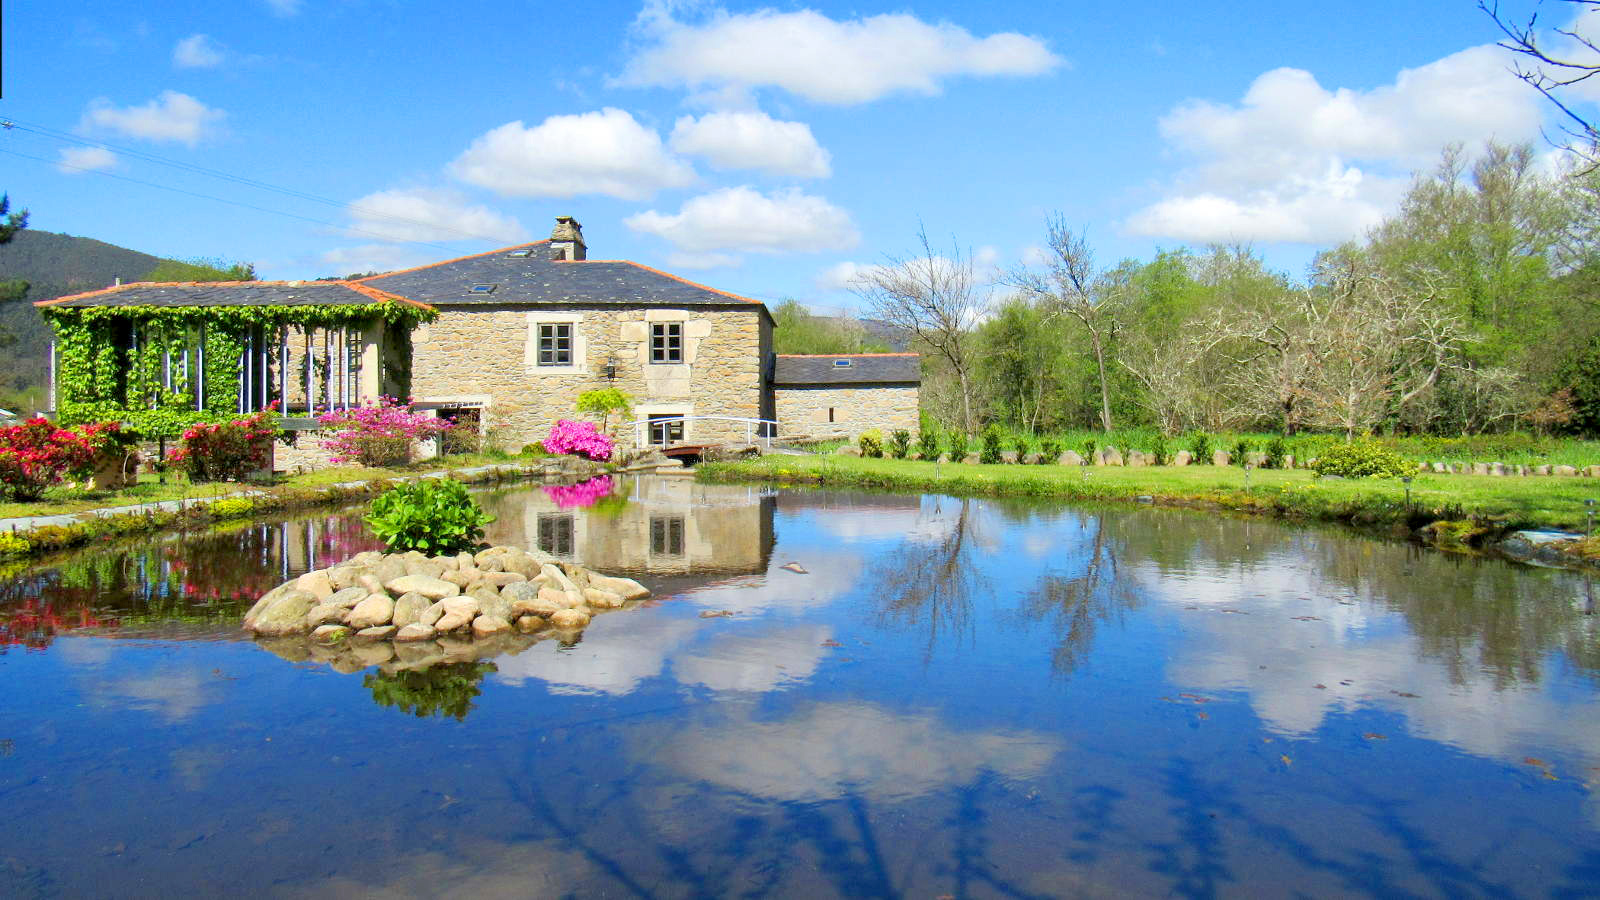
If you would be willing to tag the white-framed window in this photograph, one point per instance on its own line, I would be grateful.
(555, 344)
(666, 342)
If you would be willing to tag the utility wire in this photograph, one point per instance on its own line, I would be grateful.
(43, 131)
(165, 187)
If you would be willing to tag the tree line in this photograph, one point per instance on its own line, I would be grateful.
(1474, 308)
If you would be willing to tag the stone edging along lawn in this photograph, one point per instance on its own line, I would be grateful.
(30, 536)
(1451, 512)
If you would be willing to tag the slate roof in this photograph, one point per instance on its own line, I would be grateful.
(536, 280)
(230, 293)
(863, 368)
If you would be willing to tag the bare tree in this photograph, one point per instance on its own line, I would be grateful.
(1549, 71)
(936, 299)
(1071, 285)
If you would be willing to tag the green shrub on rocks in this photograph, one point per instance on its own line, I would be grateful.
(1049, 451)
(1277, 450)
(990, 454)
(957, 444)
(1241, 451)
(900, 444)
(1160, 453)
(871, 442)
(1200, 448)
(1363, 459)
(435, 516)
(928, 443)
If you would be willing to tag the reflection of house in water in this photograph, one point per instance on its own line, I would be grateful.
(666, 527)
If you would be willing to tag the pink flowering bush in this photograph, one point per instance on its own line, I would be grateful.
(379, 436)
(36, 455)
(579, 496)
(227, 451)
(579, 439)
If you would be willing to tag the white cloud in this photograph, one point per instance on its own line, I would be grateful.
(1295, 161)
(373, 258)
(606, 152)
(752, 140)
(171, 117)
(744, 220)
(426, 214)
(197, 51)
(841, 276)
(76, 160)
(822, 59)
(284, 8)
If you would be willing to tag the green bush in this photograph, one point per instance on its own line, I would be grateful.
(1200, 448)
(957, 446)
(434, 516)
(1363, 459)
(1277, 449)
(1241, 449)
(990, 452)
(1049, 451)
(900, 443)
(1021, 446)
(1160, 453)
(871, 442)
(928, 443)
(1087, 450)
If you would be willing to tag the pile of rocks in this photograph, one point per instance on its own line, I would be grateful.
(411, 597)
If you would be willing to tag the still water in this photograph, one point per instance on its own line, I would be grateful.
(912, 696)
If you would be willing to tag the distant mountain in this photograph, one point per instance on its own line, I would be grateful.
(897, 339)
(54, 265)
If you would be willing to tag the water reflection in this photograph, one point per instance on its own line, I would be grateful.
(445, 689)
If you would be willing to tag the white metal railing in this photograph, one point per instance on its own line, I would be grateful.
(763, 430)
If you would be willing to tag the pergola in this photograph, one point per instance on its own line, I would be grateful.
(159, 354)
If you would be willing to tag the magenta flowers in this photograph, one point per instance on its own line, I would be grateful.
(579, 496)
(579, 439)
(379, 435)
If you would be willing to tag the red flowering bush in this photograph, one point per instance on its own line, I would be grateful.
(227, 451)
(381, 435)
(579, 439)
(36, 455)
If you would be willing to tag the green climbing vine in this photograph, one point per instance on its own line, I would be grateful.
(99, 378)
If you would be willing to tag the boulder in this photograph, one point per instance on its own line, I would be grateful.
(285, 615)
(452, 621)
(598, 599)
(426, 585)
(578, 575)
(1008, 457)
(493, 564)
(330, 634)
(373, 653)
(1221, 458)
(1256, 458)
(943, 458)
(1136, 458)
(344, 576)
(388, 569)
(445, 563)
(460, 579)
(536, 606)
(626, 588)
(557, 578)
(350, 596)
(408, 609)
(530, 624)
(520, 563)
(486, 625)
(416, 632)
(848, 450)
(370, 583)
(1567, 471)
(1070, 458)
(971, 459)
(564, 599)
(326, 614)
(1497, 469)
(267, 599)
(1109, 456)
(1032, 458)
(432, 614)
(1592, 471)
(1541, 470)
(1182, 458)
(1440, 468)
(376, 633)
(465, 559)
(1480, 468)
(499, 580)
(377, 609)
(316, 583)
(424, 566)
(569, 619)
(492, 604)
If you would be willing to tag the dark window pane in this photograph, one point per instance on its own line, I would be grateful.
(555, 534)
(666, 342)
(666, 535)
(555, 345)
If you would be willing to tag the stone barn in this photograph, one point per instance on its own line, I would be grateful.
(847, 394)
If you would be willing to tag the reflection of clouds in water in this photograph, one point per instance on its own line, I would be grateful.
(739, 661)
(1278, 661)
(830, 749)
(1037, 543)
(83, 651)
(615, 655)
(929, 523)
(175, 693)
(829, 575)
(472, 868)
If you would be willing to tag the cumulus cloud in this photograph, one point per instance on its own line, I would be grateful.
(606, 152)
(752, 140)
(1295, 161)
(374, 258)
(426, 214)
(822, 59)
(744, 220)
(172, 117)
(76, 160)
(197, 51)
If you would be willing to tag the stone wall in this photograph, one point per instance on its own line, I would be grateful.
(855, 408)
(486, 357)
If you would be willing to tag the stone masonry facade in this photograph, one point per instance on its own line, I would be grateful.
(487, 358)
(846, 409)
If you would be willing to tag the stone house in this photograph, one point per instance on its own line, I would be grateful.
(517, 334)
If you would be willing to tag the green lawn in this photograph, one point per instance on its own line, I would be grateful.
(1525, 501)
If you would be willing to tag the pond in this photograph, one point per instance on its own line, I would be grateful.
(830, 694)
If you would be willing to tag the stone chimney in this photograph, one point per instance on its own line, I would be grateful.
(566, 241)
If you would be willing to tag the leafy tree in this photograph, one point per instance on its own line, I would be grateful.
(16, 289)
(442, 690)
(799, 331)
(605, 403)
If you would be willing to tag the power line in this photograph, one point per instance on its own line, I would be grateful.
(54, 134)
(165, 187)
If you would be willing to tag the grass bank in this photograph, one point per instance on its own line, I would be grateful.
(1479, 504)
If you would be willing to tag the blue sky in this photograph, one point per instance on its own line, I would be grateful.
(763, 149)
